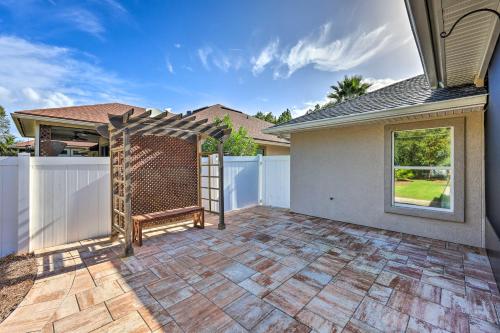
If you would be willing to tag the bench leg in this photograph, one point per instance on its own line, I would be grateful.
(199, 220)
(114, 236)
(140, 234)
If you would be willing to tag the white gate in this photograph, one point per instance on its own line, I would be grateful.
(276, 181)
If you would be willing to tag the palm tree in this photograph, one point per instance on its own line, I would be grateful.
(350, 87)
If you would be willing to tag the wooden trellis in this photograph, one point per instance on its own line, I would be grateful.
(155, 167)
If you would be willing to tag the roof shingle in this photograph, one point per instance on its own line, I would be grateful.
(96, 113)
(253, 125)
(409, 92)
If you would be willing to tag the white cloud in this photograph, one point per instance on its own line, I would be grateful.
(177, 45)
(214, 57)
(203, 54)
(265, 57)
(115, 5)
(379, 83)
(40, 75)
(5, 94)
(58, 99)
(333, 55)
(298, 111)
(169, 66)
(83, 20)
(222, 62)
(324, 52)
(31, 94)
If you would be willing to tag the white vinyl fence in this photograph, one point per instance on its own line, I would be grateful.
(48, 201)
(9, 207)
(276, 181)
(70, 199)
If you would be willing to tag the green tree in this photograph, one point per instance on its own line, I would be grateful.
(317, 107)
(284, 117)
(6, 138)
(421, 147)
(350, 87)
(269, 117)
(239, 142)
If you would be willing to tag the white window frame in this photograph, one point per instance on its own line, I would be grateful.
(449, 168)
(456, 213)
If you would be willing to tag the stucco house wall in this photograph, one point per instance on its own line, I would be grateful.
(347, 164)
(272, 150)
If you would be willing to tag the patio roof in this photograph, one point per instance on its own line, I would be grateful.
(269, 271)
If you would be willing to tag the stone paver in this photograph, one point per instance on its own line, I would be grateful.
(269, 271)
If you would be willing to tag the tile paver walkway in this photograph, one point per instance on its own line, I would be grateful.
(269, 271)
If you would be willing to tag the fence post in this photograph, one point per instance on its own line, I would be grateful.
(23, 203)
(261, 179)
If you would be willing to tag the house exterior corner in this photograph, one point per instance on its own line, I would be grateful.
(339, 174)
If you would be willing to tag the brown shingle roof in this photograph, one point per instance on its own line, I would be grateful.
(253, 125)
(96, 113)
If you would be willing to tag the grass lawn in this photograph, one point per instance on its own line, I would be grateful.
(420, 189)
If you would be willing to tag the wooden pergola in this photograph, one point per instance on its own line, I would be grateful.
(155, 167)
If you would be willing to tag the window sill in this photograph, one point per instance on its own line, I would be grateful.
(426, 213)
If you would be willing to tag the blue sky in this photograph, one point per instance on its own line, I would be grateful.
(250, 55)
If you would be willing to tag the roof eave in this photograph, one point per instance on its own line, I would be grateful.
(360, 118)
(272, 143)
(17, 116)
(19, 127)
(418, 14)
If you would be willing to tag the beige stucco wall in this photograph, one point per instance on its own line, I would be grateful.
(348, 164)
(271, 150)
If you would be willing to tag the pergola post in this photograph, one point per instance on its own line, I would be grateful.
(220, 149)
(114, 233)
(127, 189)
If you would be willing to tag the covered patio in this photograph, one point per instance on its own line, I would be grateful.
(270, 271)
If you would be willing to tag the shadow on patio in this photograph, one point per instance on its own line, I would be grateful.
(269, 271)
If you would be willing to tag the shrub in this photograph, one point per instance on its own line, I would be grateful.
(403, 174)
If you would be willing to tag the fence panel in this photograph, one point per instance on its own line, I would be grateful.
(47, 201)
(8, 205)
(241, 182)
(70, 200)
(276, 181)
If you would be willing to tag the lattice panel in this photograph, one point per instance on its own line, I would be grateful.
(118, 188)
(164, 173)
(45, 135)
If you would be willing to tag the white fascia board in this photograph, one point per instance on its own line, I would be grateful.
(271, 143)
(359, 118)
(89, 124)
(18, 125)
(420, 25)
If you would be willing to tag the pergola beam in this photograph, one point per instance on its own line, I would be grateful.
(140, 122)
(120, 121)
(177, 124)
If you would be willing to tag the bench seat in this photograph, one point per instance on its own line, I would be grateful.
(163, 217)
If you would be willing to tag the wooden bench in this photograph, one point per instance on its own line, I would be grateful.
(163, 217)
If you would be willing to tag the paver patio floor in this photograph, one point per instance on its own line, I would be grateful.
(269, 271)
